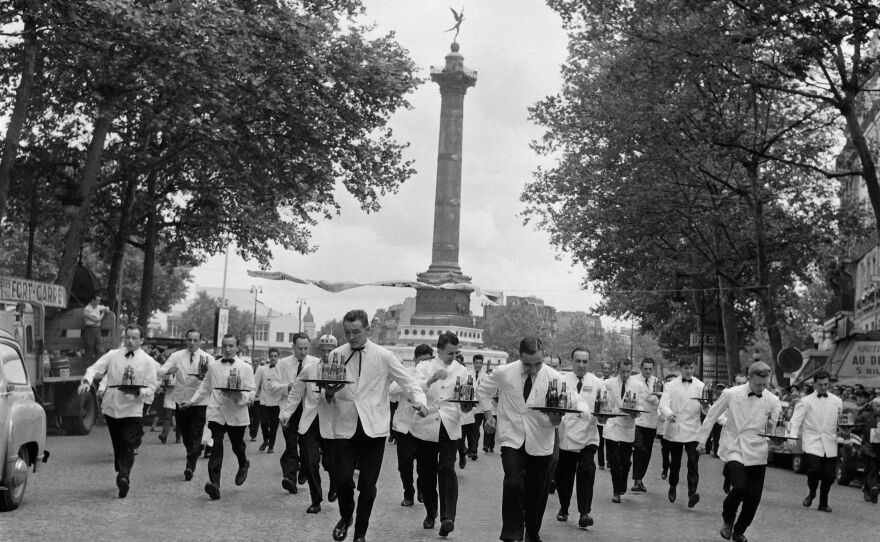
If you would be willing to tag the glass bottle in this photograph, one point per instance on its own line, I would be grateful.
(563, 397)
(456, 391)
(768, 427)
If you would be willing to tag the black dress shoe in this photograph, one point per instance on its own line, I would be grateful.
(242, 473)
(672, 495)
(808, 500)
(726, 531)
(314, 508)
(341, 529)
(638, 487)
(446, 527)
(187, 474)
(739, 538)
(693, 499)
(664, 475)
(263, 446)
(585, 521)
(562, 516)
(331, 495)
(825, 508)
(212, 491)
(462, 462)
(616, 498)
(122, 484)
(301, 478)
(163, 438)
(207, 452)
(360, 539)
(406, 502)
(428, 523)
(288, 484)
(875, 493)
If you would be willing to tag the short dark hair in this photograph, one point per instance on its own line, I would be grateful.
(357, 315)
(300, 335)
(135, 327)
(423, 350)
(192, 330)
(231, 336)
(623, 361)
(531, 345)
(445, 339)
(477, 357)
(647, 360)
(863, 393)
(581, 349)
(821, 375)
(273, 350)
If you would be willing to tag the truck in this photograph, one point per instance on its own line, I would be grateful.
(49, 330)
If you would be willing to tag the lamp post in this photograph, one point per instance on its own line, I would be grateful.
(300, 301)
(256, 290)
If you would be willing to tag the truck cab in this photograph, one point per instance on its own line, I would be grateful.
(22, 424)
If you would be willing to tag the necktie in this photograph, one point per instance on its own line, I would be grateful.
(580, 383)
(527, 387)
(686, 380)
(129, 354)
(191, 355)
(758, 395)
(299, 367)
(822, 395)
(360, 353)
(622, 388)
(229, 361)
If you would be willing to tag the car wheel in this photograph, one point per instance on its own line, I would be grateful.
(798, 464)
(15, 481)
(82, 423)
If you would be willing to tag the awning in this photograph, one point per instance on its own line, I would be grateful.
(856, 362)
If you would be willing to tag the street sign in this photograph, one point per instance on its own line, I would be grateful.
(31, 291)
(708, 339)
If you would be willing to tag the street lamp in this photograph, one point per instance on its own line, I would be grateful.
(300, 301)
(256, 290)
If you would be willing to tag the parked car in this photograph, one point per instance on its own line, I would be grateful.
(22, 425)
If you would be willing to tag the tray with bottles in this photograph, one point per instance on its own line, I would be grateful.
(463, 393)
(231, 390)
(658, 389)
(327, 381)
(128, 388)
(556, 400)
(233, 383)
(330, 372)
(776, 437)
(629, 405)
(558, 410)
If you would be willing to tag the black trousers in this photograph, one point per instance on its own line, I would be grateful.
(269, 423)
(664, 454)
(394, 434)
(191, 424)
(525, 491)
(872, 474)
(620, 460)
(463, 441)
(125, 436)
(407, 446)
(367, 453)
(290, 457)
(746, 488)
(693, 465)
(254, 414)
(820, 470)
(473, 435)
(601, 447)
(437, 478)
(236, 442)
(642, 448)
(576, 466)
(713, 440)
(489, 439)
(310, 451)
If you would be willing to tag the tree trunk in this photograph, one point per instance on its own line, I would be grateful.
(145, 307)
(33, 222)
(728, 323)
(120, 242)
(19, 109)
(860, 144)
(765, 290)
(76, 232)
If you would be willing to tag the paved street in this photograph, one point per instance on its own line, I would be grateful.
(74, 497)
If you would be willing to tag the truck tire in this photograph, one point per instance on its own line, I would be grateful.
(82, 423)
(841, 473)
(15, 481)
(798, 464)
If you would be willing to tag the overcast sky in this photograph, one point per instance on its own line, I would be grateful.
(517, 47)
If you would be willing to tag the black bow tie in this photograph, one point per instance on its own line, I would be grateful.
(758, 395)
(229, 361)
(822, 395)
(129, 354)
(687, 380)
(359, 349)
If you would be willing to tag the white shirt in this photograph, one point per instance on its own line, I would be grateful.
(746, 418)
(405, 413)
(366, 399)
(273, 396)
(227, 409)
(440, 410)
(646, 400)
(308, 394)
(621, 428)
(815, 419)
(94, 315)
(111, 366)
(678, 400)
(578, 432)
(187, 363)
(478, 377)
(518, 424)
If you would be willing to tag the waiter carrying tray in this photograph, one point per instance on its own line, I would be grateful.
(360, 418)
(748, 408)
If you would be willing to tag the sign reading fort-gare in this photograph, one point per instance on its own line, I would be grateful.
(30, 291)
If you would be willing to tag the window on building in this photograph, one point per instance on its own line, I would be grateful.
(279, 337)
(262, 333)
(290, 338)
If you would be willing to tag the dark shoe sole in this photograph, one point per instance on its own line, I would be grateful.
(446, 527)
(212, 491)
(241, 475)
(188, 474)
(123, 486)
(313, 509)
(583, 523)
(288, 484)
(331, 497)
(693, 500)
(341, 530)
